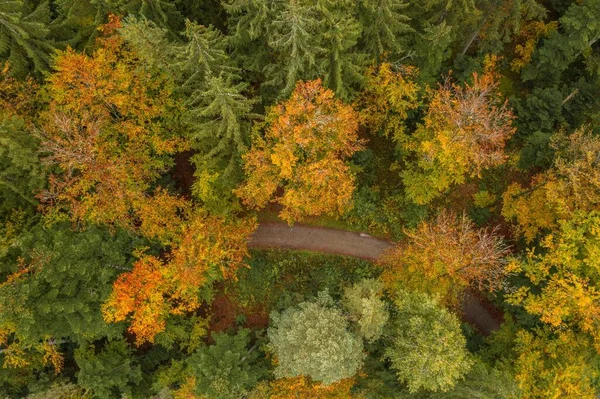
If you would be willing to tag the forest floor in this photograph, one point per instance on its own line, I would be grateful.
(476, 310)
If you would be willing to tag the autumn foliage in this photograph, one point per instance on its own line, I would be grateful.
(445, 257)
(207, 247)
(306, 141)
(106, 131)
(389, 96)
(464, 132)
(302, 387)
(571, 184)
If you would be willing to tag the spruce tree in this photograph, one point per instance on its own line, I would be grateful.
(23, 36)
(384, 23)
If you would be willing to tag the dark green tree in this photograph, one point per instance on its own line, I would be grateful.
(21, 173)
(109, 371)
(229, 368)
(384, 24)
(23, 36)
(62, 281)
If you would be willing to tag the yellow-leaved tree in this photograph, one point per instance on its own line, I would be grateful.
(571, 184)
(464, 132)
(298, 156)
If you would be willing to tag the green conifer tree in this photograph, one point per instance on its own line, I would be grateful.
(23, 36)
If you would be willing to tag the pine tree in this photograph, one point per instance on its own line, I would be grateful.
(23, 36)
(21, 173)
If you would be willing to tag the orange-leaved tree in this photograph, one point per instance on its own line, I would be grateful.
(110, 131)
(464, 132)
(205, 249)
(306, 143)
(445, 257)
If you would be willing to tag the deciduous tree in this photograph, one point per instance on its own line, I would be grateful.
(464, 132)
(307, 140)
(427, 350)
(571, 184)
(363, 301)
(445, 257)
(313, 340)
(207, 248)
(106, 131)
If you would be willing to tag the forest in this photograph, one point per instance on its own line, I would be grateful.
(300, 199)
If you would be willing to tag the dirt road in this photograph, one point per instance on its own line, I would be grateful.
(359, 245)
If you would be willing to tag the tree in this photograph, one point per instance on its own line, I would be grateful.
(306, 141)
(565, 286)
(221, 122)
(217, 115)
(303, 387)
(445, 257)
(204, 248)
(313, 340)
(21, 173)
(390, 94)
(554, 365)
(363, 301)
(107, 372)
(343, 64)
(60, 282)
(427, 349)
(384, 23)
(464, 132)
(228, 368)
(164, 13)
(23, 36)
(571, 184)
(110, 146)
(292, 35)
(482, 382)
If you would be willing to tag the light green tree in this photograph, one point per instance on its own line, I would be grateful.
(427, 350)
(363, 301)
(313, 339)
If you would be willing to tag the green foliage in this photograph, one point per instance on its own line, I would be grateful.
(70, 275)
(427, 348)
(227, 369)
(313, 339)
(108, 371)
(481, 382)
(278, 279)
(23, 36)
(363, 301)
(384, 23)
(21, 173)
(164, 13)
(217, 113)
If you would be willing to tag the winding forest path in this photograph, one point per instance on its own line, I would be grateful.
(358, 245)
